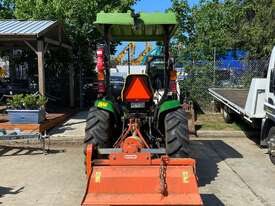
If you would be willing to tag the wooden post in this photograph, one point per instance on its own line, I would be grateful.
(71, 79)
(41, 70)
(12, 66)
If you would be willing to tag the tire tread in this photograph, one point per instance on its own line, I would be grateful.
(176, 133)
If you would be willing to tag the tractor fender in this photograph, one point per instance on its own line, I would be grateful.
(109, 107)
(105, 105)
(169, 105)
(165, 107)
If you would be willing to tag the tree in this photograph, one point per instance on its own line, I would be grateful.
(184, 17)
(184, 33)
(6, 9)
(77, 16)
(255, 26)
(206, 28)
(212, 21)
(226, 25)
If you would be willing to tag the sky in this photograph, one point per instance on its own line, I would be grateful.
(150, 6)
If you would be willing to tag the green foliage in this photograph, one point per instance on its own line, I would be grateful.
(41, 101)
(225, 25)
(206, 27)
(184, 17)
(6, 9)
(195, 87)
(77, 16)
(29, 101)
(16, 101)
(213, 27)
(216, 122)
(255, 26)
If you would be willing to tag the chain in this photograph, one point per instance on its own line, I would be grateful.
(162, 176)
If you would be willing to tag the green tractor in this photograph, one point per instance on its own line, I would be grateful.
(163, 124)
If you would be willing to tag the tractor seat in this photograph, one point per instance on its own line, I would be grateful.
(137, 88)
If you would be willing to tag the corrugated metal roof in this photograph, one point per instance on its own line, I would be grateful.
(28, 27)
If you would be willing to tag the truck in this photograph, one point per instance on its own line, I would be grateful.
(255, 105)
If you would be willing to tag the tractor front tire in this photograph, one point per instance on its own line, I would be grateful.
(176, 133)
(98, 129)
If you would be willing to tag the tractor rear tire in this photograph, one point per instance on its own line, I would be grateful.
(98, 129)
(176, 133)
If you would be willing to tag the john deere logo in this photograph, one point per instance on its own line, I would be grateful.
(103, 104)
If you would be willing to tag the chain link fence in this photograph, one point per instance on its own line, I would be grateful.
(195, 78)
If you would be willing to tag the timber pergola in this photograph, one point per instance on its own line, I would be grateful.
(38, 36)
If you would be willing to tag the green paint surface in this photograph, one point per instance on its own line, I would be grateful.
(167, 105)
(148, 26)
(105, 104)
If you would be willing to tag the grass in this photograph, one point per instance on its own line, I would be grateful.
(216, 122)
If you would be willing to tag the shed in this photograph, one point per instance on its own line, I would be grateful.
(39, 36)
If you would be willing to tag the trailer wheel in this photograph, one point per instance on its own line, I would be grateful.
(98, 129)
(271, 137)
(228, 117)
(176, 133)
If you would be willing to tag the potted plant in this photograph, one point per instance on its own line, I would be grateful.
(26, 109)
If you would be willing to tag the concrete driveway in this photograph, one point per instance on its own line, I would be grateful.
(30, 178)
(73, 128)
(232, 171)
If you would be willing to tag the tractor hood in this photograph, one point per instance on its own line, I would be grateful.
(137, 27)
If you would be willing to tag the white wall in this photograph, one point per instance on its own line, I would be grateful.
(134, 69)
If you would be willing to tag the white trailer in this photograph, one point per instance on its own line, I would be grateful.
(256, 105)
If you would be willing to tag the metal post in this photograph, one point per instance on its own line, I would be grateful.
(107, 61)
(166, 56)
(129, 60)
(12, 66)
(214, 76)
(214, 67)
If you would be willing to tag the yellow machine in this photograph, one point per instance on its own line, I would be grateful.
(132, 47)
(140, 57)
